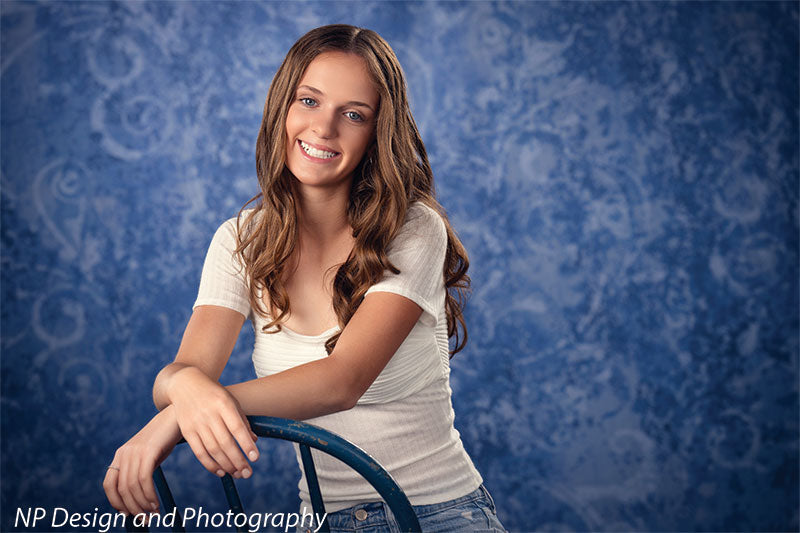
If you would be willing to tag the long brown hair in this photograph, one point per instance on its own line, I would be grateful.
(393, 173)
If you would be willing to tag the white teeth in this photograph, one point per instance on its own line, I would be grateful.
(313, 152)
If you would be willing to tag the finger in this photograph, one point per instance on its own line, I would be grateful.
(149, 487)
(127, 479)
(199, 450)
(240, 429)
(231, 448)
(110, 488)
(225, 450)
(138, 481)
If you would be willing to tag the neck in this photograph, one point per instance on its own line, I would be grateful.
(322, 212)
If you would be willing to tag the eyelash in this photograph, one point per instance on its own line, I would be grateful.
(359, 119)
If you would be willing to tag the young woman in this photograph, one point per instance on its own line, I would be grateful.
(353, 279)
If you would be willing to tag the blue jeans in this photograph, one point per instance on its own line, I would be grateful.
(473, 512)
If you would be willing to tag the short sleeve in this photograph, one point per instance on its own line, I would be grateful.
(418, 251)
(223, 281)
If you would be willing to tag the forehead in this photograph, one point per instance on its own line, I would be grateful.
(341, 75)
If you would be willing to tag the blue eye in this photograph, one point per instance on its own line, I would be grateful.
(357, 117)
(306, 99)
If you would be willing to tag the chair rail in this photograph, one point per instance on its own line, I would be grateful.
(308, 435)
(348, 453)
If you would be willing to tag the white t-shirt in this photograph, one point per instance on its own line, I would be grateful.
(405, 419)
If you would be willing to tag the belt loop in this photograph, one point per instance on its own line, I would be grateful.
(485, 492)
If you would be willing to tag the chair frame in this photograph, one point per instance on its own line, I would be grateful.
(307, 436)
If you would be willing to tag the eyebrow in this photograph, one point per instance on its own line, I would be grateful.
(351, 102)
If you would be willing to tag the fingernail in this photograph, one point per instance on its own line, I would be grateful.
(253, 455)
(237, 475)
(220, 473)
(246, 473)
(154, 506)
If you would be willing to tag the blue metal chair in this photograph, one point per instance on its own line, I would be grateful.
(307, 436)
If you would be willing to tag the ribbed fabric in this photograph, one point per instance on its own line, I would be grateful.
(405, 418)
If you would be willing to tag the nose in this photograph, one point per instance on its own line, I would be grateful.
(324, 124)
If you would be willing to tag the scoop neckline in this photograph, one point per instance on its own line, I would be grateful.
(293, 333)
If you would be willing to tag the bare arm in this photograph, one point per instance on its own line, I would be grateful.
(128, 483)
(206, 346)
(212, 418)
(207, 343)
(335, 383)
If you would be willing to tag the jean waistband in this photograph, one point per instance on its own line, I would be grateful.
(368, 513)
(477, 494)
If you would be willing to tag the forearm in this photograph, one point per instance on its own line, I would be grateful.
(335, 383)
(302, 392)
(168, 423)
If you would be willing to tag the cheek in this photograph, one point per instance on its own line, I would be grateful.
(292, 123)
(366, 141)
(291, 132)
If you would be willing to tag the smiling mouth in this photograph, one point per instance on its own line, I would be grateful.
(316, 153)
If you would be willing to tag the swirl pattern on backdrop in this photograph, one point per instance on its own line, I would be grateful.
(624, 176)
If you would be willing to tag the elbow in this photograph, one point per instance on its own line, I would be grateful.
(349, 385)
(348, 393)
(345, 405)
(347, 398)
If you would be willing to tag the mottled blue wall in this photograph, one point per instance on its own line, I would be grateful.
(624, 176)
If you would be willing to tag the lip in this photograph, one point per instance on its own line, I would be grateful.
(318, 147)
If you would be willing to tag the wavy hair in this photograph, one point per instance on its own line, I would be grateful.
(393, 173)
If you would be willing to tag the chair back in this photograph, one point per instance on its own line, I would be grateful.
(307, 436)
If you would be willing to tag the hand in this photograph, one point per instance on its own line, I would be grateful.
(212, 422)
(129, 480)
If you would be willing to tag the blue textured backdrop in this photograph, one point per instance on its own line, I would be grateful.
(624, 176)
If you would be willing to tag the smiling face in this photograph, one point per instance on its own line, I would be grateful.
(331, 120)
